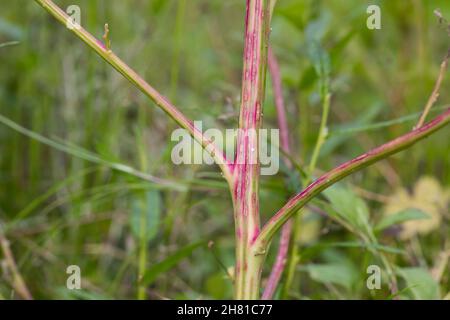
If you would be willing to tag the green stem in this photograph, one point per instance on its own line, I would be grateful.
(142, 85)
(142, 255)
(323, 132)
(245, 186)
(294, 256)
(175, 70)
(143, 217)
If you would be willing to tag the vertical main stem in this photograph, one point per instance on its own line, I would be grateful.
(247, 168)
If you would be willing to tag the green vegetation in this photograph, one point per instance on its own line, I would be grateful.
(86, 176)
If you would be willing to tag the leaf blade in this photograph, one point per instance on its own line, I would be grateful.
(400, 217)
(154, 271)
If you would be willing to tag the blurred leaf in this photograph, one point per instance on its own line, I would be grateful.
(341, 133)
(309, 76)
(349, 207)
(314, 33)
(8, 44)
(158, 5)
(320, 59)
(356, 244)
(81, 294)
(218, 286)
(82, 153)
(150, 206)
(428, 196)
(154, 271)
(334, 273)
(294, 11)
(421, 283)
(10, 30)
(316, 29)
(402, 216)
(366, 125)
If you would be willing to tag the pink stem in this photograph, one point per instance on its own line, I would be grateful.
(275, 74)
(245, 188)
(142, 85)
(342, 171)
(280, 262)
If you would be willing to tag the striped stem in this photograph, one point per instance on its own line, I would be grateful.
(246, 172)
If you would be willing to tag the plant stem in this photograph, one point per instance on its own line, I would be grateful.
(142, 255)
(283, 249)
(294, 256)
(342, 171)
(142, 85)
(245, 187)
(143, 223)
(175, 65)
(323, 131)
(17, 280)
(435, 94)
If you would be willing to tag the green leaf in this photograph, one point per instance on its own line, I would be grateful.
(335, 273)
(218, 286)
(8, 44)
(293, 11)
(146, 212)
(154, 271)
(349, 207)
(356, 244)
(421, 284)
(402, 216)
(320, 60)
(319, 57)
(82, 294)
(82, 153)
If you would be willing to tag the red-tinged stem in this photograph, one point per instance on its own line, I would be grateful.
(246, 168)
(342, 171)
(142, 85)
(283, 249)
(275, 74)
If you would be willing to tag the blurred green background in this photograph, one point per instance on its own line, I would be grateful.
(71, 128)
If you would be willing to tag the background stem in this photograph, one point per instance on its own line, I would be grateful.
(283, 249)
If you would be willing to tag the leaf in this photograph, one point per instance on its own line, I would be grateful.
(316, 29)
(349, 207)
(293, 11)
(317, 54)
(8, 44)
(335, 273)
(428, 196)
(157, 6)
(81, 294)
(218, 286)
(154, 271)
(402, 216)
(355, 244)
(320, 60)
(84, 154)
(10, 30)
(146, 211)
(421, 284)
